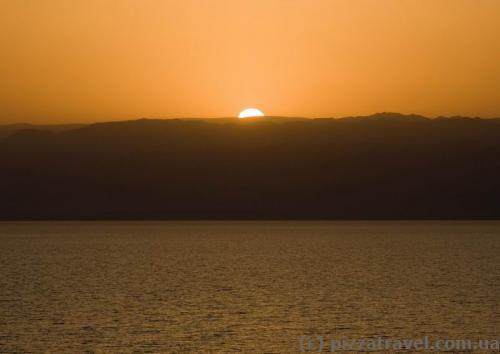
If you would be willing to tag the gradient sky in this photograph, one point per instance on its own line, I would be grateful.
(92, 60)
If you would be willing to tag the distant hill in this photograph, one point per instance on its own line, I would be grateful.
(6, 130)
(385, 166)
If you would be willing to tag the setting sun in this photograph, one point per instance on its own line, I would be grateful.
(250, 112)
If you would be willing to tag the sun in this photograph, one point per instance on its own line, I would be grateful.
(250, 112)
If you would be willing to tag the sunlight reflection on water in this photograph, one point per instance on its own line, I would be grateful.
(242, 286)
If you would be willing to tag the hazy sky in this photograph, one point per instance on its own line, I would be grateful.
(90, 60)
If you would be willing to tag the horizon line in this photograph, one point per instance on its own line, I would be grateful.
(414, 115)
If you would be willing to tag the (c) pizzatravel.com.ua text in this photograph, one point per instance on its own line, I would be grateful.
(320, 344)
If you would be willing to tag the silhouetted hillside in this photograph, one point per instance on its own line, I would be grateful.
(386, 166)
(7, 130)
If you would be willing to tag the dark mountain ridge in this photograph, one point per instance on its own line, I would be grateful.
(10, 129)
(386, 166)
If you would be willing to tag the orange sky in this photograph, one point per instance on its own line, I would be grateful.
(91, 60)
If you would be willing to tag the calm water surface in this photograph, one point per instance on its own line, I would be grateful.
(212, 287)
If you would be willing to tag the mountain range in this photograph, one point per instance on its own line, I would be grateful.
(385, 166)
